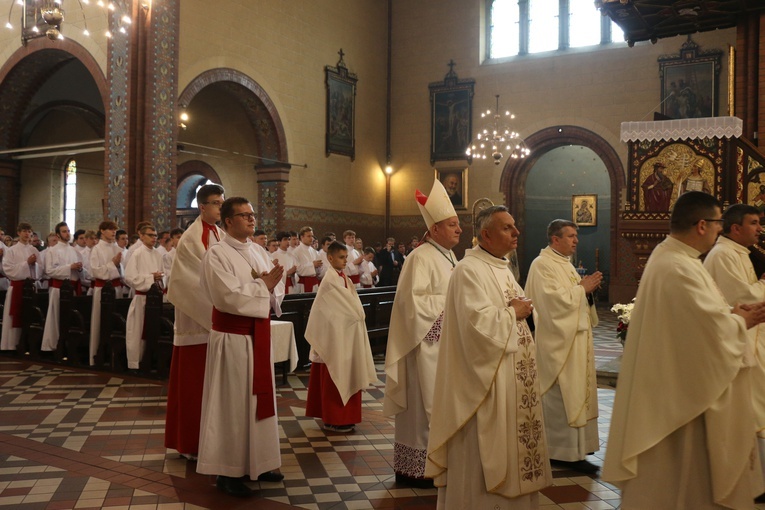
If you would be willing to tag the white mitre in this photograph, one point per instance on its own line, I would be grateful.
(436, 207)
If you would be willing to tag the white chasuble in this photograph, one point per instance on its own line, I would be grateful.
(487, 444)
(412, 352)
(683, 407)
(337, 333)
(567, 373)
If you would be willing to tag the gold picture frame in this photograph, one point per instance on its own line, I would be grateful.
(584, 210)
(455, 180)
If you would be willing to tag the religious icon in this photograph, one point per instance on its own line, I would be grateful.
(584, 210)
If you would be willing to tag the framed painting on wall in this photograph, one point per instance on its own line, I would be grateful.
(451, 117)
(455, 180)
(689, 82)
(584, 210)
(341, 110)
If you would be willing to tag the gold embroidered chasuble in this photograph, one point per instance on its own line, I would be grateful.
(487, 372)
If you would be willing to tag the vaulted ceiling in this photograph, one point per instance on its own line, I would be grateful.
(649, 20)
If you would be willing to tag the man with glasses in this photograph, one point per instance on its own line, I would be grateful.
(143, 270)
(564, 317)
(240, 431)
(683, 430)
(193, 314)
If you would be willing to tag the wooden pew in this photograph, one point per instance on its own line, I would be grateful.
(32, 319)
(74, 328)
(158, 334)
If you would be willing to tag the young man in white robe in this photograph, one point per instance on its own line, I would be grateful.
(564, 318)
(81, 247)
(144, 270)
(121, 239)
(193, 313)
(355, 258)
(19, 263)
(414, 334)
(239, 431)
(62, 263)
(105, 266)
(341, 357)
(682, 432)
(731, 268)
(167, 258)
(368, 276)
(307, 261)
(285, 259)
(324, 245)
(487, 445)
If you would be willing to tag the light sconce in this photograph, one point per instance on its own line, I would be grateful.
(183, 118)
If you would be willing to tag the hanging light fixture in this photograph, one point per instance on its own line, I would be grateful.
(496, 137)
(44, 18)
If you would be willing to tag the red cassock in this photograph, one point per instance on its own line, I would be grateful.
(324, 400)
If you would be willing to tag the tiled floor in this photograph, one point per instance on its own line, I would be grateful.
(76, 439)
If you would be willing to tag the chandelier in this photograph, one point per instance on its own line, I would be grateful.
(43, 18)
(496, 137)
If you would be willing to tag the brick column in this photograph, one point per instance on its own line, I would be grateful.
(272, 183)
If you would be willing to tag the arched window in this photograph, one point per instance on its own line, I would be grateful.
(70, 193)
(519, 27)
(194, 201)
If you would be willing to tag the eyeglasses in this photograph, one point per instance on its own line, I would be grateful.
(245, 215)
(216, 203)
(150, 235)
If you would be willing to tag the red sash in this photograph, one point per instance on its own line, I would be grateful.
(288, 285)
(260, 330)
(309, 282)
(355, 278)
(16, 299)
(56, 284)
(100, 283)
(206, 229)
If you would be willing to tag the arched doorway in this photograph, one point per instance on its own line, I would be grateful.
(191, 175)
(591, 153)
(53, 95)
(234, 127)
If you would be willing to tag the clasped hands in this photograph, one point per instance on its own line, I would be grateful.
(753, 313)
(273, 277)
(522, 306)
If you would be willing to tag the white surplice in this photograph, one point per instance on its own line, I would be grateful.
(193, 311)
(15, 267)
(287, 261)
(232, 441)
(487, 444)
(564, 322)
(305, 256)
(338, 335)
(138, 274)
(412, 353)
(682, 432)
(102, 268)
(58, 266)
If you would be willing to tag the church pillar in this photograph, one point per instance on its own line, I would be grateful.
(750, 75)
(9, 196)
(272, 183)
(160, 124)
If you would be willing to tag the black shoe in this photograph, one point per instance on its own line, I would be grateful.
(270, 476)
(583, 466)
(233, 486)
(417, 483)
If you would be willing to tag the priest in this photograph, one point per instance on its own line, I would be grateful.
(487, 445)
(564, 317)
(682, 433)
(239, 429)
(415, 332)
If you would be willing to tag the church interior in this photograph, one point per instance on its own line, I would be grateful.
(333, 113)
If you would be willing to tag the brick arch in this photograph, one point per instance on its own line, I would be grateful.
(189, 170)
(260, 110)
(27, 69)
(513, 180)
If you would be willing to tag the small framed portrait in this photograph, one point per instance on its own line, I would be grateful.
(584, 210)
(341, 110)
(455, 181)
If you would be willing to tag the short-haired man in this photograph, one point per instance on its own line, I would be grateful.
(167, 258)
(294, 241)
(163, 242)
(105, 259)
(62, 262)
(19, 263)
(682, 432)
(193, 320)
(285, 259)
(144, 270)
(240, 431)
(355, 258)
(307, 261)
(259, 237)
(81, 246)
(273, 245)
(564, 317)
(323, 247)
(121, 238)
(388, 263)
(729, 264)
(487, 448)
(415, 331)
